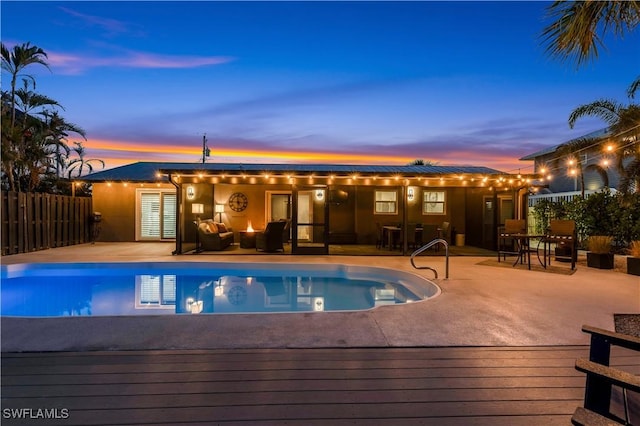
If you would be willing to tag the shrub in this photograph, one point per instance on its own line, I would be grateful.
(634, 249)
(599, 243)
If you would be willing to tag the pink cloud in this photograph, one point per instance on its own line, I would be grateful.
(67, 63)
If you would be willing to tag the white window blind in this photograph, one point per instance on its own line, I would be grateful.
(386, 202)
(150, 289)
(157, 289)
(168, 289)
(156, 214)
(433, 202)
(169, 216)
(150, 215)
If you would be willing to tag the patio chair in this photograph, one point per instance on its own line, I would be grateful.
(445, 232)
(563, 234)
(430, 233)
(271, 239)
(411, 235)
(379, 235)
(506, 243)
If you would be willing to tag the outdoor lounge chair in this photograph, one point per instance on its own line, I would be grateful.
(271, 239)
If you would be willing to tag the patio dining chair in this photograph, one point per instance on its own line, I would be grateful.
(379, 235)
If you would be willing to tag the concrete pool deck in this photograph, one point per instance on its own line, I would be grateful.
(479, 306)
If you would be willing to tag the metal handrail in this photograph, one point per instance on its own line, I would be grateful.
(428, 246)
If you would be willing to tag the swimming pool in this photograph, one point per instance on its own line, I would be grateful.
(162, 288)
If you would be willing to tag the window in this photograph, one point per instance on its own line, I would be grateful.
(155, 214)
(433, 202)
(386, 202)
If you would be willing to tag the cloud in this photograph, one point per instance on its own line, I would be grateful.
(111, 27)
(69, 63)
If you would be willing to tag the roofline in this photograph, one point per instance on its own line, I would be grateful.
(313, 174)
(596, 134)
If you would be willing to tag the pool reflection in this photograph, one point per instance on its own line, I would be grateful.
(161, 294)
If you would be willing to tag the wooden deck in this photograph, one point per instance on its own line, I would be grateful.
(372, 386)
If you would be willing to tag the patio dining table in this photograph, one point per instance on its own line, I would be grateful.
(390, 231)
(523, 248)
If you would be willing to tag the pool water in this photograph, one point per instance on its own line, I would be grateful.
(108, 289)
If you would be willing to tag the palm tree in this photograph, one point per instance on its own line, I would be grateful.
(15, 61)
(421, 162)
(571, 151)
(81, 162)
(579, 27)
(624, 124)
(58, 130)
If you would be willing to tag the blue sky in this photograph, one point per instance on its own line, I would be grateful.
(341, 82)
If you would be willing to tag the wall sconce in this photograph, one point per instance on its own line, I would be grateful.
(319, 194)
(191, 192)
(219, 208)
(197, 209)
(410, 194)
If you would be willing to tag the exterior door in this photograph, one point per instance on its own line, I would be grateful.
(488, 223)
(155, 215)
(309, 228)
(279, 207)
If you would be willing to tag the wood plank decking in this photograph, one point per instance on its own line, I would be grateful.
(368, 386)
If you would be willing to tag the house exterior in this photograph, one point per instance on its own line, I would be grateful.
(561, 180)
(559, 176)
(326, 204)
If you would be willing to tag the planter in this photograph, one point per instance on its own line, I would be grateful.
(600, 260)
(633, 265)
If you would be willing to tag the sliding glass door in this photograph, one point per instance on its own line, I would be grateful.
(155, 215)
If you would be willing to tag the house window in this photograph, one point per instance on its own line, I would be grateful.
(433, 202)
(155, 214)
(386, 202)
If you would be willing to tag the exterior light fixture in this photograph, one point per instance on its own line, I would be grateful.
(191, 192)
(219, 208)
(319, 194)
(410, 194)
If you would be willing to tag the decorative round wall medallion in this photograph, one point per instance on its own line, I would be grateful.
(238, 201)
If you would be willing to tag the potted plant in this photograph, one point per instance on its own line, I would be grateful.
(599, 252)
(633, 261)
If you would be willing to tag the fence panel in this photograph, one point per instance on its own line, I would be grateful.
(34, 221)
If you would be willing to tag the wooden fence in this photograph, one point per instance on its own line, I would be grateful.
(34, 221)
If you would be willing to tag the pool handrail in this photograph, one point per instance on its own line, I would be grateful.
(428, 246)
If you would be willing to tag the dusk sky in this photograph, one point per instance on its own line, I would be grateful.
(465, 83)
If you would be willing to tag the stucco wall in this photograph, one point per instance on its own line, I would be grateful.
(116, 202)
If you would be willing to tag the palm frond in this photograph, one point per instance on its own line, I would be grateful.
(606, 109)
(631, 91)
(601, 171)
(578, 27)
